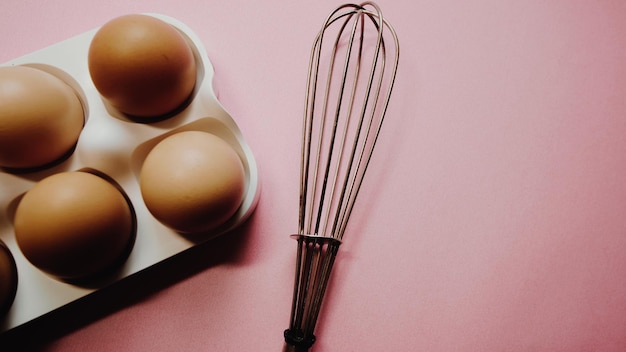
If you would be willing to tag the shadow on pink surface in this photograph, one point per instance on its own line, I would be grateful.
(129, 291)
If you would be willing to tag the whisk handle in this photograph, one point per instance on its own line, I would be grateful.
(296, 342)
(315, 258)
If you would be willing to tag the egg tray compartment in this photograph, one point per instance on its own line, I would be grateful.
(116, 146)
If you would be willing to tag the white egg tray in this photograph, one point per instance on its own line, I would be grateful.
(116, 146)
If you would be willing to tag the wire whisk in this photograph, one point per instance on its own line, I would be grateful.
(352, 70)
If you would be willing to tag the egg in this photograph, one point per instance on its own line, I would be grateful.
(8, 278)
(142, 66)
(192, 181)
(41, 118)
(74, 225)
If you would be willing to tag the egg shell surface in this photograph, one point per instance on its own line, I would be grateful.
(73, 225)
(41, 117)
(141, 65)
(192, 181)
(8, 278)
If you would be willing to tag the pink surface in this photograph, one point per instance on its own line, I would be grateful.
(493, 217)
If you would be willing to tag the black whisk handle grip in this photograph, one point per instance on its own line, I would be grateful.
(298, 341)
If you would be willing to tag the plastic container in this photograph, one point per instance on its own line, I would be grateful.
(116, 146)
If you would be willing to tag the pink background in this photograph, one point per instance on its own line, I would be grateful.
(493, 217)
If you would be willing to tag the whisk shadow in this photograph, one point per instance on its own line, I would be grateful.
(127, 292)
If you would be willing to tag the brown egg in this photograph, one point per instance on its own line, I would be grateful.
(142, 65)
(192, 181)
(41, 117)
(8, 278)
(74, 225)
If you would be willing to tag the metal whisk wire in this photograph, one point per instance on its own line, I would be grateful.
(338, 138)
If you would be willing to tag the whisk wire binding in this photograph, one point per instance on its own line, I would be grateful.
(338, 139)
